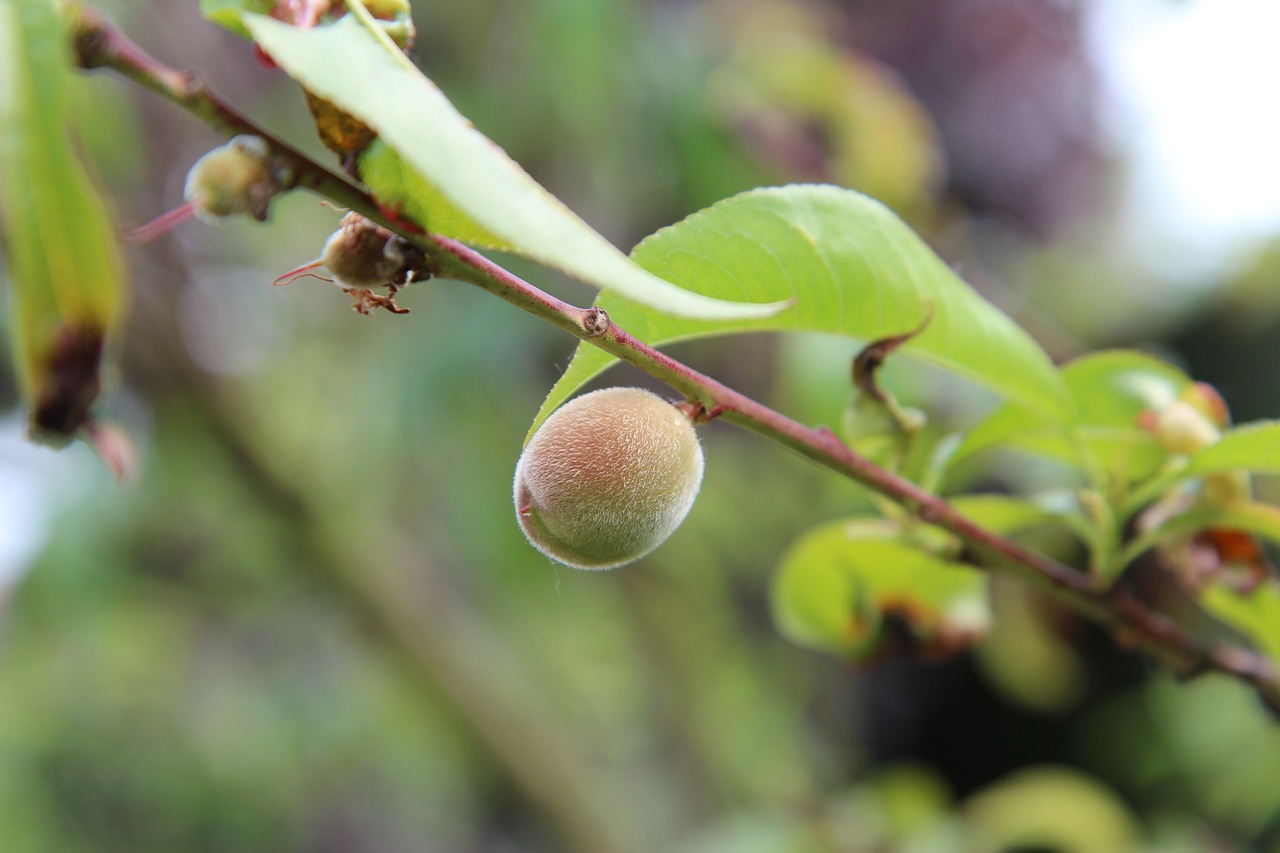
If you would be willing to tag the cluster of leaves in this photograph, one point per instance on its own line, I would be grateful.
(1151, 462)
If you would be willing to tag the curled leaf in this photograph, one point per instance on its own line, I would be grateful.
(873, 356)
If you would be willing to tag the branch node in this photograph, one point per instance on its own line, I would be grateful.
(928, 513)
(698, 413)
(595, 322)
(190, 85)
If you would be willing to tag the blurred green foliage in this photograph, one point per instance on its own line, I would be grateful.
(192, 662)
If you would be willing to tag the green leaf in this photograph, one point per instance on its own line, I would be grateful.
(63, 261)
(1002, 514)
(1110, 390)
(1050, 808)
(227, 12)
(838, 582)
(477, 186)
(853, 268)
(1245, 516)
(1256, 614)
(1008, 515)
(1249, 447)
(396, 185)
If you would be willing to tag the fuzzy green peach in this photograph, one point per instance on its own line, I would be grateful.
(607, 478)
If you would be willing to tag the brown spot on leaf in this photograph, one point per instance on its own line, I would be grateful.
(342, 133)
(70, 383)
(910, 629)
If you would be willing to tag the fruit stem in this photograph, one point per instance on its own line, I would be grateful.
(162, 224)
(300, 272)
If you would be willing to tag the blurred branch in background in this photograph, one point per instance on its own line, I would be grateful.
(443, 645)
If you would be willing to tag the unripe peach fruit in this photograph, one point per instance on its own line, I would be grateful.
(607, 478)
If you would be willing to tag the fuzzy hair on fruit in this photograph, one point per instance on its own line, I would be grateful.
(607, 478)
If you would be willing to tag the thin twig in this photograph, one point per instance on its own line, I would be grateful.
(101, 45)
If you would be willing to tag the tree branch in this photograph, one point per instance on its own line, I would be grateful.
(101, 45)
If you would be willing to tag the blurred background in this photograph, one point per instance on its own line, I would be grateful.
(312, 624)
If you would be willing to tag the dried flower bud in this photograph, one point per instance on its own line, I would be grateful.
(363, 257)
(232, 179)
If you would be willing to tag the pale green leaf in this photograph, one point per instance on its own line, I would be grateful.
(817, 603)
(397, 186)
(1256, 615)
(227, 12)
(1005, 514)
(484, 188)
(853, 268)
(1009, 516)
(838, 582)
(1110, 391)
(1051, 808)
(1249, 447)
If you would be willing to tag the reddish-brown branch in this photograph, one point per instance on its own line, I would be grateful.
(101, 45)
